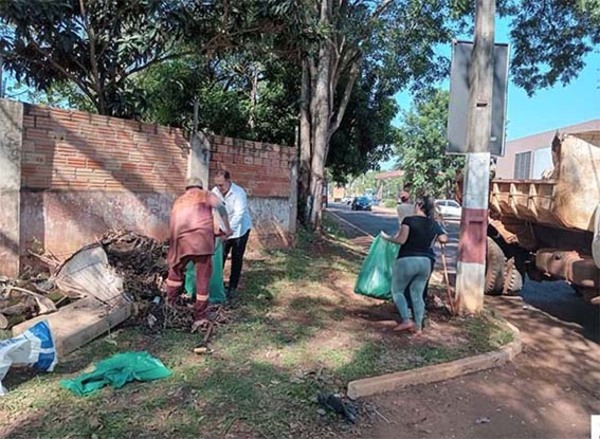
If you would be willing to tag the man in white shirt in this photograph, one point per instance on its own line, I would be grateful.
(405, 207)
(236, 202)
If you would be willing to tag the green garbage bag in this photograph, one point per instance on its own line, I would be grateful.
(117, 371)
(375, 277)
(216, 289)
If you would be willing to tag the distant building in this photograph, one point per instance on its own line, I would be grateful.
(527, 157)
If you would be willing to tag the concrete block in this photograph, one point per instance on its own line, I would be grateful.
(80, 322)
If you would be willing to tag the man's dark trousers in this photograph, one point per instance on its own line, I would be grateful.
(237, 246)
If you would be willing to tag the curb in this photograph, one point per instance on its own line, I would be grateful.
(438, 372)
(348, 223)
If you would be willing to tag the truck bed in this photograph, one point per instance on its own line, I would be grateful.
(569, 200)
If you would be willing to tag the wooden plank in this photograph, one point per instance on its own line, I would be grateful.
(436, 373)
(80, 322)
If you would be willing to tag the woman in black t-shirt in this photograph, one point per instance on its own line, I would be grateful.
(412, 269)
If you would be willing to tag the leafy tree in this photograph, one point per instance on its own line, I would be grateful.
(421, 146)
(366, 134)
(99, 46)
(394, 38)
(235, 95)
(550, 40)
(95, 46)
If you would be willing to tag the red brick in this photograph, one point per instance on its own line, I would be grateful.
(36, 110)
(149, 128)
(78, 183)
(132, 125)
(99, 120)
(145, 168)
(28, 146)
(28, 121)
(60, 184)
(74, 161)
(44, 122)
(78, 116)
(28, 170)
(36, 134)
(129, 167)
(93, 164)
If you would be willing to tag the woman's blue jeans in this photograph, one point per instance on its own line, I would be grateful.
(412, 272)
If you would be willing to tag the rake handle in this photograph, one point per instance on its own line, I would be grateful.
(448, 290)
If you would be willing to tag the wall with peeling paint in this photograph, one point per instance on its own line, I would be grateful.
(81, 175)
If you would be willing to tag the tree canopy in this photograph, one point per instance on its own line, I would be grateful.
(421, 146)
(98, 46)
(261, 68)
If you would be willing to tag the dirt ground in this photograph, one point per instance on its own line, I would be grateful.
(548, 392)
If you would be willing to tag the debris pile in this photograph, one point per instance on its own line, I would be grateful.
(121, 261)
(31, 294)
(140, 260)
(159, 315)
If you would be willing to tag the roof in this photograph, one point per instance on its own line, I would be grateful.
(545, 138)
(389, 174)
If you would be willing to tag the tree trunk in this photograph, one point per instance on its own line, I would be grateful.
(253, 98)
(305, 145)
(321, 139)
(318, 120)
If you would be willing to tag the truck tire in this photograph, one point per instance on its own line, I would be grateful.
(513, 279)
(494, 268)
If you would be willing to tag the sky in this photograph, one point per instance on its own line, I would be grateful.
(548, 109)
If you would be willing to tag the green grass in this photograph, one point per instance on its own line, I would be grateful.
(294, 335)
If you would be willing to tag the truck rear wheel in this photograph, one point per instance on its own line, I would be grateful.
(513, 279)
(494, 268)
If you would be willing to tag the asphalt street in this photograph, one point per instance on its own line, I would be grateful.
(555, 298)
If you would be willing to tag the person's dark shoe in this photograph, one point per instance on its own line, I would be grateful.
(232, 294)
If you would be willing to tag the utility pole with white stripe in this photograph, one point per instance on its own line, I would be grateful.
(472, 244)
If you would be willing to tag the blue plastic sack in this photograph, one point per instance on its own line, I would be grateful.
(34, 347)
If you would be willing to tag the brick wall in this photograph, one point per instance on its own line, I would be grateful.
(75, 150)
(262, 168)
(81, 175)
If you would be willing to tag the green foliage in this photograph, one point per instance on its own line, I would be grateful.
(236, 95)
(550, 40)
(95, 46)
(421, 146)
(100, 45)
(366, 134)
(363, 184)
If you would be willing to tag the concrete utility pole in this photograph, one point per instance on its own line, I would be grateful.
(472, 244)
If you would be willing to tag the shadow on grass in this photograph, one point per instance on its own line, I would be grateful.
(295, 334)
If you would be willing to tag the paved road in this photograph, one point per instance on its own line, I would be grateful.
(556, 298)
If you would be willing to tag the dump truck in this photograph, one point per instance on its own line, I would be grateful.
(549, 229)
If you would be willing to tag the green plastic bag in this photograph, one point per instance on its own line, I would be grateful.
(117, 371)
(216, 288)
(375, 277)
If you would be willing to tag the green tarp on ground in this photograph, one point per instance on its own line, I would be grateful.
(117, 371)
